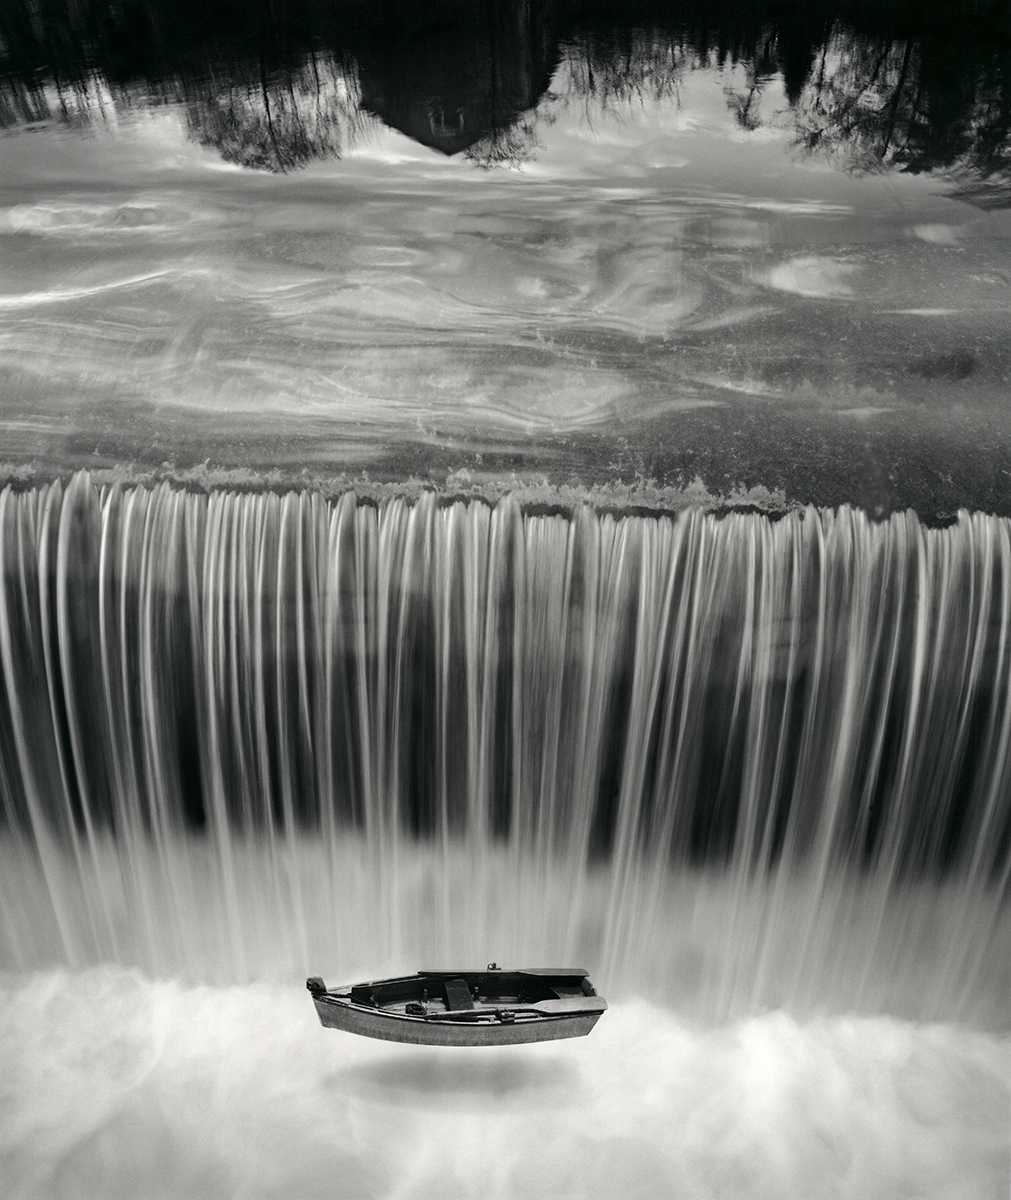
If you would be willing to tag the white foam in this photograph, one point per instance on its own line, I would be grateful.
(117, 1085)
(815, 276)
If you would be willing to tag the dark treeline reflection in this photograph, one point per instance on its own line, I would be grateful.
(274, 84)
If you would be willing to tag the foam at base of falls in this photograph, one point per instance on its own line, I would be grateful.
(119, 1086)
(710, 943)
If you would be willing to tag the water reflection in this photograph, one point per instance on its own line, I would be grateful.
(260, 240)
(280, 84)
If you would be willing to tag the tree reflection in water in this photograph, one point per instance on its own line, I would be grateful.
(274, 85)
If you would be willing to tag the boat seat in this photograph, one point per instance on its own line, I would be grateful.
(458, 995)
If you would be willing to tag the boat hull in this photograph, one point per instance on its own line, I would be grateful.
(490, 1008)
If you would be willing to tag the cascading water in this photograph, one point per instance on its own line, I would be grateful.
(731, 765)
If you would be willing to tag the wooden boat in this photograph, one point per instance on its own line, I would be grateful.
(493, 1007)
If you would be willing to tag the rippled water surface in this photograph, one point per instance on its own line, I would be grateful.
(645, 252)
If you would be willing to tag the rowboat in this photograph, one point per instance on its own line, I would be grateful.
(493, 1007)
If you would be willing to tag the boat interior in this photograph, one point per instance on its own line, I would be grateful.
(469, 991)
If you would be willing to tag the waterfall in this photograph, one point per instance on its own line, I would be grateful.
(335, 697)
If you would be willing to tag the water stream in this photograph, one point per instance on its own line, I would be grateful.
(752, 774)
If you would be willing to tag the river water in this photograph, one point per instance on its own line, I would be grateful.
(653, 266)
(519, 485)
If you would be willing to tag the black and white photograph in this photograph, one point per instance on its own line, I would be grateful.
(505, 599)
